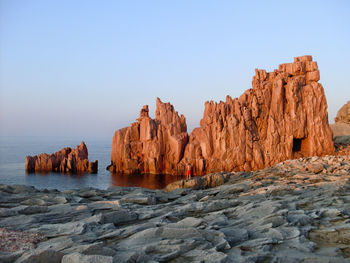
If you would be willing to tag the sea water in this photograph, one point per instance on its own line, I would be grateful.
(14, 149)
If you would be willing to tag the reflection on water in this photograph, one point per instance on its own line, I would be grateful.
(64, 181)
(150, 181)
(46, 173)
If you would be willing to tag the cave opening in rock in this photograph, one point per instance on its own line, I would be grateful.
(296, 145)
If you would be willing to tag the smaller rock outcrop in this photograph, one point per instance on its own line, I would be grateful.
(66, 160)
(341, 127)
(149, 145)
(343, 115)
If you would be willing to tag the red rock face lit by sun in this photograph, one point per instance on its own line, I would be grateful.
(151, 145)
(66, 160)
(284, 116)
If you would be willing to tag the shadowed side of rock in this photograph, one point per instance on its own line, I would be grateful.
(66, 160)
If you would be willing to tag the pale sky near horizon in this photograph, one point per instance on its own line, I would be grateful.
(86, 68)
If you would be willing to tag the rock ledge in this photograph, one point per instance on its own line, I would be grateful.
(295, 211)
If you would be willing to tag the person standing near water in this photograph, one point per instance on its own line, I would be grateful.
(189, 172)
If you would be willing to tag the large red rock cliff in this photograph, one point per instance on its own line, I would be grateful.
(284, 116)
(66, 160)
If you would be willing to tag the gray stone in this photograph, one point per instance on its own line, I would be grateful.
(139, 199)
(80, 258)
(71, 228)
(23, 189)
(104, 205)
(187, 222)
(44, 256)
(91, 249)
(34, 201)
(8, 257)
(118, 217)
(276, 221)
(235, 236)
(7, 212)
(299, 219)
(342, 139)
(34, 210)
(87, 193)
(58, 244)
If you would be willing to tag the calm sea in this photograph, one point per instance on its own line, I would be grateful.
(14, 149)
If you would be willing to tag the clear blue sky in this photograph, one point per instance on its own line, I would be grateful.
(87, 67)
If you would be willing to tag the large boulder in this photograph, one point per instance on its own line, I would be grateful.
(66, 160)
(150, 145)
(284, 116)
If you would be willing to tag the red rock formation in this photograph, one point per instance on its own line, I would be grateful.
(283, 116)
(150, 145)
(341, 127)
(66, 160)
(343, 115)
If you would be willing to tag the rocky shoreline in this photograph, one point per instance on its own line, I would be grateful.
(295, 211)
